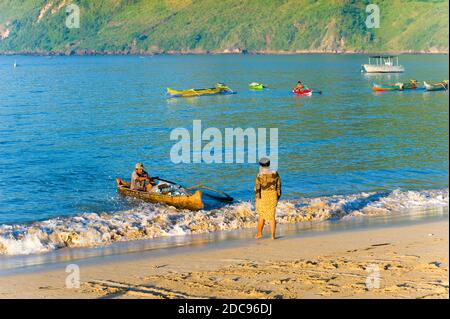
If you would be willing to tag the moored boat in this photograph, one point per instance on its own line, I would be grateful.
(184, 201)
(383, 64)
(219, 88)
(411, 85)
(441, 86)
(378, 87)
(257, 86)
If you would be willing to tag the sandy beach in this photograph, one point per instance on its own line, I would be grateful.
(409, 261)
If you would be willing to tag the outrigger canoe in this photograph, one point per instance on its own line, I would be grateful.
(441, 86)
(190, 201)
(378, 87)
(220, 88)
(411, 85)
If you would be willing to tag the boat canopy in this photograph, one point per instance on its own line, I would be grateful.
(388, 60)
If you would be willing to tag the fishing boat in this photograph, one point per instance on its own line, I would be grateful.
(191, 201)
(219, 88)
(441, 86)
(256, 86)
(303, 92)
(383, 64)
(411, 85)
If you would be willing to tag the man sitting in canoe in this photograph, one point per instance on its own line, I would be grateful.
(299, 86)
(140, 180)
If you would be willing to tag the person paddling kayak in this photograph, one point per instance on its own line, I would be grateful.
(301, 89)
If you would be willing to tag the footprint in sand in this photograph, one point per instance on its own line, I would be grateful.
(377, 245)
(410, 256)
(47, 288)
(280, 281)
(311, 262)
(437, 264)
(159, 266)
(405, 285)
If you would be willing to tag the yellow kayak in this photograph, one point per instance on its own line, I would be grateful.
(218, 89)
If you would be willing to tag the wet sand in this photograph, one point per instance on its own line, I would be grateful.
(407, 261)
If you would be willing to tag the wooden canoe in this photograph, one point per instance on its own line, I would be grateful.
(412, 85)
(192, 201)
(256, 86)
(199, 92)
(378, 87)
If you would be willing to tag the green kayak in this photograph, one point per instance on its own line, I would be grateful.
(256, 86)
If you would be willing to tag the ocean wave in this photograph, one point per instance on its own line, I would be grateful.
(147, 221)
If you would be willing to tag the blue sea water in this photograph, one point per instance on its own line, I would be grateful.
(70, 125)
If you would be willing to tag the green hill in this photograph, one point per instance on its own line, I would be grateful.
(165, 26)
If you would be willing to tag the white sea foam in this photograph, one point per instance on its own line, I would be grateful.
(148, 221)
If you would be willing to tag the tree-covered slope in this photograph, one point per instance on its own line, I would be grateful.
(153, 26)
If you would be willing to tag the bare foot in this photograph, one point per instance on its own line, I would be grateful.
(258, 236)
(272, 238)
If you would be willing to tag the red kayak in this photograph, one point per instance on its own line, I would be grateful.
(306, 92)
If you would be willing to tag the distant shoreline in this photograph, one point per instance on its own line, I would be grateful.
(194, 52)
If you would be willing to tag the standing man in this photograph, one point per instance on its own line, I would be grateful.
(267, 194)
